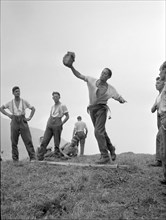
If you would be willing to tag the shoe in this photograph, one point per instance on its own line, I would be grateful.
(163, 182)
(113, 154)
(156, 164)
(103, 160)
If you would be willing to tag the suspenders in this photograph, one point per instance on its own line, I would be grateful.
(23, 107)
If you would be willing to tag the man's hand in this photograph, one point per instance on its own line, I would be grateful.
(122, 100)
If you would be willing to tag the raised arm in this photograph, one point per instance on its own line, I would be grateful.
(77, 74)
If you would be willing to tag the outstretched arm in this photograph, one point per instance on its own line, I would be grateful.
(77, 74)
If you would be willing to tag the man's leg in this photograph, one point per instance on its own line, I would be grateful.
(110, 147)
(99, 119)
(57, 130)
(14, 139)
(158, 162)
(46, 139)
(158, 153)
(27, 139)
(82, 145)
(163, 147)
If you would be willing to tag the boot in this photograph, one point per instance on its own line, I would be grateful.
(158, 163)
(113, 154)
(103, 160)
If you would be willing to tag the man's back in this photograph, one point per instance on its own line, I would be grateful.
(80, 126)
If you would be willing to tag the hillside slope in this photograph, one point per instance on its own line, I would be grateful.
(43, 191)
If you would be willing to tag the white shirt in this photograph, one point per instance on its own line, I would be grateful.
(58, 110)
(80, 126)
(21, 108)
(93, 99)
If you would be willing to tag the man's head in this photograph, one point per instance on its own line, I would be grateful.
(79, 118)
(159, 84)
(56, 96)
(16, 91)
(105, 74)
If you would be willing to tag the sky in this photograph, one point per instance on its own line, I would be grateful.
(126, 36)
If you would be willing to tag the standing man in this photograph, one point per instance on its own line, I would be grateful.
(99, 93)
(19, 123)
(54, 126)
(162, 112)
(80, 129)
(155, 107)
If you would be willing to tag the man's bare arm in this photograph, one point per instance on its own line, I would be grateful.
(2, 109)
(77, 74)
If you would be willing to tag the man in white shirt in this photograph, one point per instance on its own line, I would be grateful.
(54, 126)
(155, 107)
(99, 93)
(19, 123)
(80, 129)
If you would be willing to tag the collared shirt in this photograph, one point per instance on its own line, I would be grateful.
(58, 110)
(80, 126)
(162, 103)
(21, 108)
(93, 99)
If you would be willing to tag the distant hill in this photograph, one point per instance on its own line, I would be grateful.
(6, 143)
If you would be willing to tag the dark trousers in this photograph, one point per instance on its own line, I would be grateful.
(163, 142)
(98, 115)
(20, 127)
(53, 129)
(82, 138)
(158, 153)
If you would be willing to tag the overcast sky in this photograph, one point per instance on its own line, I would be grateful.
(126, 36)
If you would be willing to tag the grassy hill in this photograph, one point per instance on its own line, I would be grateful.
(6, 143)
(43, 191)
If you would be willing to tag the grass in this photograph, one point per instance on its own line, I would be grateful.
(43, 191)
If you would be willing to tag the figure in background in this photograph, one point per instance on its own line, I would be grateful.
(68, 150)
(155, 107)
(162, 113)
(80, 129)
(58, 117)
(19, 123)
(99, 93)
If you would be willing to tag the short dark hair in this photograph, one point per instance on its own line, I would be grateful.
(109, 71)
(14, 88)
(79, 118)
(56, 93)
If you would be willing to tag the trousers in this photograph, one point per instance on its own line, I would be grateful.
(19, 126)
(98, 114)
(82, 138)
(163, 142)
(158, 156)
(53, 129)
